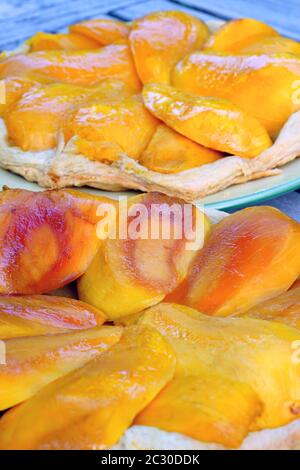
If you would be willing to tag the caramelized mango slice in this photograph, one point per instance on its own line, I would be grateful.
(47, 239)
(101, 30)
(238, 34)
(64, 41)
(258, 84)
(212, 122)
(249, 257)
(84, 68)
(34, 121)
(273, 45)
(126, 123)
(13, 88)
(145, 260)
(208, 408)
(41, 314)
(256, 353)
(33, 362)
(94, 405)
(170, 152)
(285, 308)
(159, 40)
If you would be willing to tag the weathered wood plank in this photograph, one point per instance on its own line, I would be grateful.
(135, 10)
(283, 15)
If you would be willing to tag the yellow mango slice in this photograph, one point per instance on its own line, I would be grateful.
(102, 31)
(94, 405)
(126, 123)
(33, 362)
(64, 41)
(43, 314)
(238, 34)
(132, 271)
(170, 152)
(161, 39)
(258, 84)
(12, 88)
(273, 45)
(285, 308)
(208, 408)
(257, 353)
(212, 122)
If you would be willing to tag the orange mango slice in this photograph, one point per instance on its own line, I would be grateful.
(160, 39)
(33, 362)
(255, 353)
(64, 41)
(94, 405)
(12, 88)
(83, 68)
(273, 45)
(249, 257)
(126, 123)
(146, 258)
(47, 239)
(258, 84)
(171, 152)
(211, 122)
(42, 315)
(238, 34)
(102, 31)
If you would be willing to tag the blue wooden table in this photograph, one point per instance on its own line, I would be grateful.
(20, 19)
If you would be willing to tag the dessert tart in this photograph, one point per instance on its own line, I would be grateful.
(168, 347)
(132, 106)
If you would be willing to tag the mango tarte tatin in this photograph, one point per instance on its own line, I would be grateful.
(163, 104)
(168, 347)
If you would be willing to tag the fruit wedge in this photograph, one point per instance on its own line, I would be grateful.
(43, 315)
(83, 68)
(211, 122)
(258, 84)
(273, 45)
(235, 35)
(47, 239)
(102, 31)
(171, 152)
(249, 257)
(285, 308)
(123, 124)
(93, 406)
(146, 257)
(33, 362)
(159, 40)
(64, 41)
(256, 353)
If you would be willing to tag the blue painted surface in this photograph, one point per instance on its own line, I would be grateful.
(19, 19)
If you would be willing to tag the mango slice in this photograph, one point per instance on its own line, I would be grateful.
(12, 89)
(83, 68)
(211, 122)
(159, 40)
(42, 314)
(64, 41)
(258, 84)
(47, 239)
(94, 405)
(208, 408)
(102, 31)
(147, 257)
(125, 123)
(256, 353)
(170, 152)
(249, 257)
(238, 34)
(273, 45)
(285, 308)
(33, 362)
